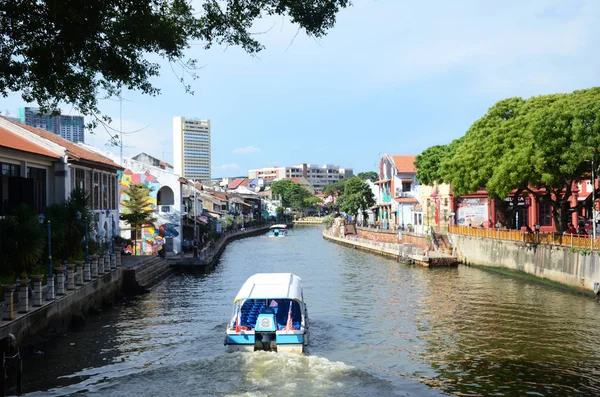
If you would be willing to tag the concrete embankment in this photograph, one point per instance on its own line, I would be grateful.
(142, 272)
(59, 313)
(568, 266)
(388, 250)
(208, 258)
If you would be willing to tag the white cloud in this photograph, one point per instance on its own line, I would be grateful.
(226, 167)
(246, 150)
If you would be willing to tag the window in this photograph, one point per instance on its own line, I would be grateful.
(96, 191)
(406, 186)
(104, 192)
(79, 179)
(38, 176)
(545, 214)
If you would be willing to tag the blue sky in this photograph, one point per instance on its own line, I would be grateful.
(391, 76)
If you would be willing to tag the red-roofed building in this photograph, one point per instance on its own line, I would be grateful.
(40, 168)
(399, 193)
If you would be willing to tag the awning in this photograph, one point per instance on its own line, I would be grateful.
(265, 214)
(407, 180)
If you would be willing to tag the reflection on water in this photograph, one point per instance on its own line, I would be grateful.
(377, 328)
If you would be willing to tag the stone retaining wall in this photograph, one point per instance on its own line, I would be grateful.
(572, 267)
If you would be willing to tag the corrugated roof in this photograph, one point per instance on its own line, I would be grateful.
(405, 163)
(237, 182)
(73, 150)
(13, 141)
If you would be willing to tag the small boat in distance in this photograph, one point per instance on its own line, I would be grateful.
(269, 313)
(278, 231)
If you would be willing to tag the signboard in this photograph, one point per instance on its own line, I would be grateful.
(521, 201)
(473, 211)
(219, 228)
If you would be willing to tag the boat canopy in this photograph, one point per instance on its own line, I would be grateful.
(278, 227)
(271, 286)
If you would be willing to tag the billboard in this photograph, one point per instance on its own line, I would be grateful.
(472, 211)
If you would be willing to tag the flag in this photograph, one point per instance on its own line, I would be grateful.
(288, 325)
(237, 321)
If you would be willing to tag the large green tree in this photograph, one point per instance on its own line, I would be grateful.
(543, 145)
(138, 211)
(357, 197)
(74, 51)
(292, 194)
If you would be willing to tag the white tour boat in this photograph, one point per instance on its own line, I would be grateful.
(278, 231)
(269, 313)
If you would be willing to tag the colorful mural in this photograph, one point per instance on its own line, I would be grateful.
(167, 222)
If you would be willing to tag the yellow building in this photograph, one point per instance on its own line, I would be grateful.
(437, 206)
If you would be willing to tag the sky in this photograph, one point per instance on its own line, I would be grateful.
(391, 76)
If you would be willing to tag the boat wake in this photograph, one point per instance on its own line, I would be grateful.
(234, 374)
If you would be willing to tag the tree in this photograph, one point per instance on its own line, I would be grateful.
(292, 193)
(138, 211)
(334, 189)
(22, 242)
(77, 51)
(428, 164)
(357, 197)
(543, 146)
(371, 175)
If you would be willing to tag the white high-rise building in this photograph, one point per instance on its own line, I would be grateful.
(191, 148)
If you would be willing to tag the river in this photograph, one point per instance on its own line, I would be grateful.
(378, 327)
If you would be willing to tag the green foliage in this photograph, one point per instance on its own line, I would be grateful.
(336, 188)
(371, 175)
(357, 197)
(312, 201)
(429, 162)
(293, 194)
(227, 222)
(106, 45)
(138, 211)
(22, 242)
(546, 142)
(279, 210)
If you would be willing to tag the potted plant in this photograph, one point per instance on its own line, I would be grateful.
(24, 279)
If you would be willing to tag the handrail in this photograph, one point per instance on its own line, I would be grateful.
(554, 239)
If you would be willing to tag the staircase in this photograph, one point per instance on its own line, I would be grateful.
(143, 276)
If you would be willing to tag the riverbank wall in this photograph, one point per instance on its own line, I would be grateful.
(568, 266)
(388, 250)
(209, 257)
(58, 314)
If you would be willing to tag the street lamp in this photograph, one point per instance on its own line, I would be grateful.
(50, 294)
(112, 229)
(41, 219)
(78, 215)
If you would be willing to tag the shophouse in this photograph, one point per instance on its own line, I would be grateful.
(399, 194)
(41, 168)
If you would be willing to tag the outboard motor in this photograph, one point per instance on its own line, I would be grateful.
(266, 327)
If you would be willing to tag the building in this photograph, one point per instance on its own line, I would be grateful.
(69, 127)
(317, 176)
(191, 148)
(40, 168)
(165, 199)
(399, 196)
(152, 161)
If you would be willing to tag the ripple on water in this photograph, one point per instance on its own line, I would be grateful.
(377, 328)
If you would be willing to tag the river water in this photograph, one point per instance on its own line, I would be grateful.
(377, 328)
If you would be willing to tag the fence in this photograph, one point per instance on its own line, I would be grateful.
(563, 240)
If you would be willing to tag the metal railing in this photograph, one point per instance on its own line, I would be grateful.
(557, 239)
